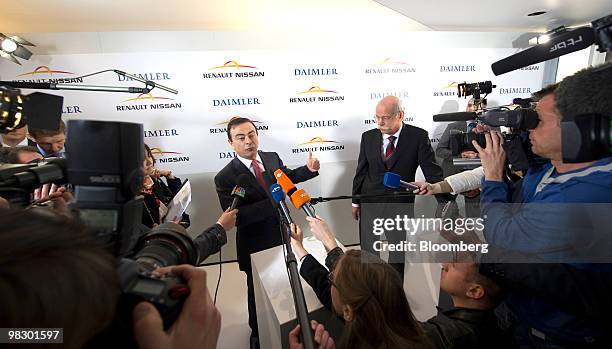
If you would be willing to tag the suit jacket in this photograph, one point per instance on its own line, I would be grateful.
(258, 223)
(443, 151)
(413, 149)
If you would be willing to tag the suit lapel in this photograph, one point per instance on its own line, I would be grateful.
(378, 141)
(400, 142)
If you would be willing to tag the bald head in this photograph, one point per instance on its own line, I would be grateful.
(389, 115)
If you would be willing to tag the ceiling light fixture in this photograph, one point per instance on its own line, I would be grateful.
(13, 47)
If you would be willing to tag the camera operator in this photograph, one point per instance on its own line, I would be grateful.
(50, 143)
(444, 153)
(540, 226)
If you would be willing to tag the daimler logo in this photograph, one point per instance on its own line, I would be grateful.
(312, 71)
(449, 91)
(45, 74)
(514, 90)
(378, 95)
(221, 127)
(225, 102)
(231, 70)
(171, 132)
(317, 144)
(457, 68)
(145, 76)
(146, 101)
(390, 66)
(317, 123)
(168, 156)
(316, 94)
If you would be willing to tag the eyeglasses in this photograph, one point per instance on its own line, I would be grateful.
(385, 117)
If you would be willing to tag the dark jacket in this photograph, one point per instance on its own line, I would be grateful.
(257, 223)
(459, 328)
(443, 150)
(161, 193)
(413, 150)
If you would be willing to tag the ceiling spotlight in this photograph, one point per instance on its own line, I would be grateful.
(544, 38)
(8, 45)
(13, 46)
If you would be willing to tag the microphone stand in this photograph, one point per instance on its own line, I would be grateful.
(297, 291)
(395, 194)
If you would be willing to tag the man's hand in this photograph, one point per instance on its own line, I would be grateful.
(468, 154)
(356, 211)
(492, 157)
(197, 326)
(424, 188)
(228, 219)
(322, 232)
(313, 163)
(321, 337)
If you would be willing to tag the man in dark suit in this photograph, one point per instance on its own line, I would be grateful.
(394, 147)
(258, 223)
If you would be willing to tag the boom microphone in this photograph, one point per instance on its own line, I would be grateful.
(459, 116)
(559, 45)
(298, 197)
(279, 196)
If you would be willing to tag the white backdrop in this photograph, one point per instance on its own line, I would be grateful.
(300, 99)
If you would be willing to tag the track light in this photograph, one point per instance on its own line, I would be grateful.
(13, 46)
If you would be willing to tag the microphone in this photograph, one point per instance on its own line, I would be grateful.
(393, 180)
(298, 197)
(459, 116)
(239, 192)
(559, 45)
(279, 197)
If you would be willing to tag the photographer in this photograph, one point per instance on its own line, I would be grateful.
(544, 224)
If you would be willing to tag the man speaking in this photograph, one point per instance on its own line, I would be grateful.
(258, 222)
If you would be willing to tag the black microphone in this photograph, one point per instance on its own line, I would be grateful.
(459, 116)
(279, 197)
(239, 191)
(559, 45)
(393, 180)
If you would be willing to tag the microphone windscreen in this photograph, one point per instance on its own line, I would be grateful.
(277, 192)
(392, 180)
(459, 116)
(283, 180)
(559, 45)
(299, 198)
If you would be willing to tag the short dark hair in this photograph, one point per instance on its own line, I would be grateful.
(12, 157)
(54, 273)
(588, 91)
(235, 121)
(536, 96)
(39, 132)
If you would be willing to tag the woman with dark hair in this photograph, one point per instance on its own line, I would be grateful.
(367, 293)
(157, 194)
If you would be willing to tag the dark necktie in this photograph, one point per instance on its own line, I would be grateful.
(390, 148)
(258, 174)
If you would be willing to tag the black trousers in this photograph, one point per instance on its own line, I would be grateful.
(251, 304)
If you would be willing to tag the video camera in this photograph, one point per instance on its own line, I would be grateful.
(519, 120)
(104, 164)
